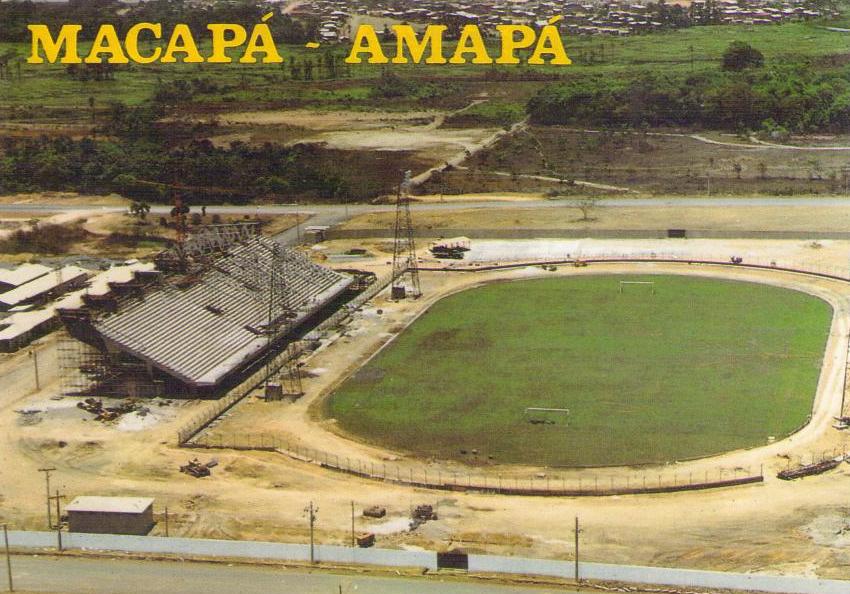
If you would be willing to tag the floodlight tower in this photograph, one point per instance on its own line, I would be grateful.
(404, 247)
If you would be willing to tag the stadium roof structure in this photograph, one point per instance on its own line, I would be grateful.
(200, 326)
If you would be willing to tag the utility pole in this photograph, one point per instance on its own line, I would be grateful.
(311, 511)
(57, 497)
(166, 521)
(352, 523)
(577, 532)
(8, 558)
(47, 472)
(34, 356)
(298, 226)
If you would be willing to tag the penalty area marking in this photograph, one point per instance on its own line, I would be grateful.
(650, 283)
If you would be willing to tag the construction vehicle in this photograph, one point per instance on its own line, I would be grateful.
(198, 469)
(450, 249)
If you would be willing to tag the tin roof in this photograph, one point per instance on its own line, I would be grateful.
(200, 328)
(22, 274)
(41, 285)
(114, 505)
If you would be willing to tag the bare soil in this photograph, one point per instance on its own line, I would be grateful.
(739, 218)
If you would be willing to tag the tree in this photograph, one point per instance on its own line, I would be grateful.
(140, 210)
(740, 56)
(586, 205)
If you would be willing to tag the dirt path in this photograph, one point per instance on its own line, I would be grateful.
(792, 147)
(559, 179)
(758, 144)
(469, 152)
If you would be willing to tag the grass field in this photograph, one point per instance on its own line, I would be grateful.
(700, 367)
(695, 48)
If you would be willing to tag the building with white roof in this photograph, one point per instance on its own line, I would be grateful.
(12, 278)
(45, 288)
(111, 515)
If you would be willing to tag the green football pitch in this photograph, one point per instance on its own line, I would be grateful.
(681, 368)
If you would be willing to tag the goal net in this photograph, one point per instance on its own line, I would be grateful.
(537, 415)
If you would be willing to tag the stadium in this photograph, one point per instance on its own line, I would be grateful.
(513, 363)
(656, 371)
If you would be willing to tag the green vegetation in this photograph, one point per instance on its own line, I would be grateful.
(796, 97)
(132, 129)
(700, 367)
(740, 56)
(499, 113)
(43, 239)
(144, 166)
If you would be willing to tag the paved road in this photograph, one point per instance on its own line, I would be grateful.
(332, 211)
(332, 214)
(69, 575)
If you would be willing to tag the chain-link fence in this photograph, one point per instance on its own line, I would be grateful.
(583, 482)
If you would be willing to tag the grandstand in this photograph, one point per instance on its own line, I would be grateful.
(208, 313)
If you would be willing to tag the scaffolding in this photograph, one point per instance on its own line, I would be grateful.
(405, 263)
(291, 372)
(86, 371)
(186, 255)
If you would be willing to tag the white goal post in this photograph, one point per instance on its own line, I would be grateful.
(651, 285)
(541, 409)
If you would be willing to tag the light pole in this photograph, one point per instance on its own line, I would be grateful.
(34, 357)
(311, 511)
(57, 497)
(8, 558)
(577, 532)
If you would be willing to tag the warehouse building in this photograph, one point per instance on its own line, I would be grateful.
(13, 278)
(111, 515)
(20, 329)
(44, 288)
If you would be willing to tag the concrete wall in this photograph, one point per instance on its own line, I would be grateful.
(396, 558)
